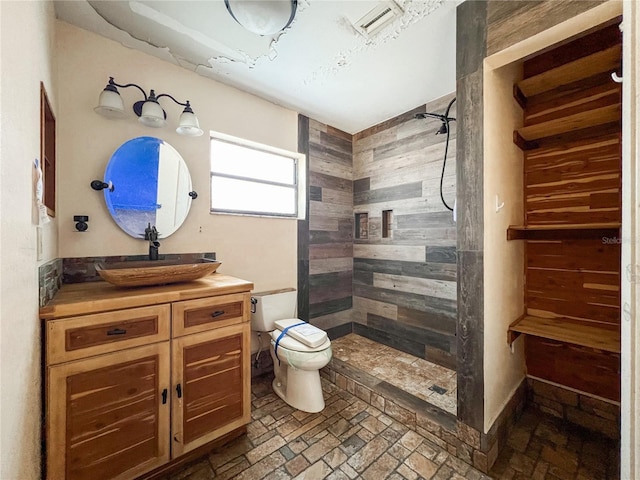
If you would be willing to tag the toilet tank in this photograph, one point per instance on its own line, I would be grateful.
(271, 306)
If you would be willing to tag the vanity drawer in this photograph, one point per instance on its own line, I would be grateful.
(203, 314)
(88, 335)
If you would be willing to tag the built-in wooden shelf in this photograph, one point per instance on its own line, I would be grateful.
(563, 139)
(568, 82)
(553, 232)
(577, 332)
(568, 124)
(607, 60)
(570, 138)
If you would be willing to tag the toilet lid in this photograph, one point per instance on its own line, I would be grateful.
(303, 332)
(291, 343)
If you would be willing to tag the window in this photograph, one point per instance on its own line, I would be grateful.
(254, 179)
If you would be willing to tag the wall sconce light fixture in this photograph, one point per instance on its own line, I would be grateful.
(264, 17)
(149, 111)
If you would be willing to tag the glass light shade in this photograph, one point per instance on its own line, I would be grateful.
(189, 125)
(110, 105)
(262, 17)
(152, 115)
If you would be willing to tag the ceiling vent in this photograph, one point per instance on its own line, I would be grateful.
(377, 18)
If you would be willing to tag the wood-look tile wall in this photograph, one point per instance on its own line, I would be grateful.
(511, 22)
(404, 284)
(471, 23)
(330, 220)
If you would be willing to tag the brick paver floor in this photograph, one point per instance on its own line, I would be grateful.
(542, 447)
(352, 440)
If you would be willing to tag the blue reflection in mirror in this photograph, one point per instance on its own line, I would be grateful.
(151, 185)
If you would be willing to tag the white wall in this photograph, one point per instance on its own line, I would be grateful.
(26, 59)
(630, 295)
(504, 260)
(262, 250)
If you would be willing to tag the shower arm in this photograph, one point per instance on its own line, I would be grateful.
(446, 116)
(443, 118)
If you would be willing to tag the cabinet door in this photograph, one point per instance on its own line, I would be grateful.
(107, 416)
(212, 386)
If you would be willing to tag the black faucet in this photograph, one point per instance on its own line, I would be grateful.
(151, 234)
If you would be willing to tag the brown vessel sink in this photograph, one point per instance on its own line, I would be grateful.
(155, 272)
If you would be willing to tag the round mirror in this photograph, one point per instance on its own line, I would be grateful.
(147, 183)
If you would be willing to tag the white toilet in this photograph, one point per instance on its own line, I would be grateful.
(299, 349)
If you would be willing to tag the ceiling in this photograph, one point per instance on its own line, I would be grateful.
(320, 66)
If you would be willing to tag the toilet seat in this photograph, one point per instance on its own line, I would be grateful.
(302, 331)
(292, 344)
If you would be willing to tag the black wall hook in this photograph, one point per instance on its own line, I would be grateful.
(193, 195)
(100, 185)
(81, 222)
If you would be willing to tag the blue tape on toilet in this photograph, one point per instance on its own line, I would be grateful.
(284, 332)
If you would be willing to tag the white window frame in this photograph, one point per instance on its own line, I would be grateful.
(299, 184)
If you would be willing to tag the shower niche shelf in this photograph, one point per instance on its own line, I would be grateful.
(361, 222)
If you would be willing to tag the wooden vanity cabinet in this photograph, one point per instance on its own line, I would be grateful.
(131, 390)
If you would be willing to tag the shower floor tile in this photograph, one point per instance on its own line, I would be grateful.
(416, 376)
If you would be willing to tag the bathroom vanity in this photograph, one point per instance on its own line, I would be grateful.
(137, 378)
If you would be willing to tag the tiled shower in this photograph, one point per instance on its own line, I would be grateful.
(381, 246)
